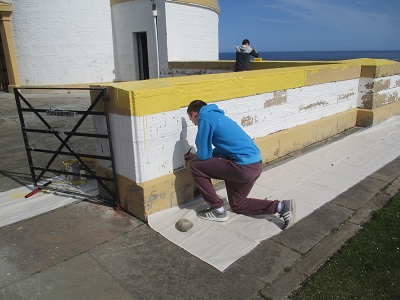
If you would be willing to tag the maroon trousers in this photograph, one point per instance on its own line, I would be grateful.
(239, 180)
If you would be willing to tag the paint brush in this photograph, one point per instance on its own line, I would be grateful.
(37, 189)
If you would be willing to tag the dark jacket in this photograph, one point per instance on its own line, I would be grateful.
(243, 57)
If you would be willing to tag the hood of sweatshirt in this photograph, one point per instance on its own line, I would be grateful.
(210, 107)
(244, 49)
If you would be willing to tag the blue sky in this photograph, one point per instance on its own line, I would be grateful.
(310, 25)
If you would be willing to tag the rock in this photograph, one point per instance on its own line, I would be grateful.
(183, 225)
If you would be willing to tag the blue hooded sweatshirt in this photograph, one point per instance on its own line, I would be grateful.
(228, 138)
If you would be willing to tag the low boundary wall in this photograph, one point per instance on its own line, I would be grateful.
(282, 109)
(184, 68)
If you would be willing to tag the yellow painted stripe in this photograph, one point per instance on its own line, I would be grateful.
(139, 98)
(370, 62)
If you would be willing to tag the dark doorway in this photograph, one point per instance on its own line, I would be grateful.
(142, 55)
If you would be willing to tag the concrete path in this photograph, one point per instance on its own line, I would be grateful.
(90, 251)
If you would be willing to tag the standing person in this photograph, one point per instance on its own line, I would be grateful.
(235, 159)
(243, 53)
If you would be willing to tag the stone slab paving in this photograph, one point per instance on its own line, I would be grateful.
(90, 251)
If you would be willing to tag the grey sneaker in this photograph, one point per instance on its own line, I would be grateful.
(288, 213)
(212, 215)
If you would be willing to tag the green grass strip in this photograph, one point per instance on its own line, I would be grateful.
(367, 266)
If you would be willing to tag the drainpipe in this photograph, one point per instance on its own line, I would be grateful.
(154, 9)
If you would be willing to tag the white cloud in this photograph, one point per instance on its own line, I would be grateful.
(273, 20)
(343, 15)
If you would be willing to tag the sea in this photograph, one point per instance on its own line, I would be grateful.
(319, 55)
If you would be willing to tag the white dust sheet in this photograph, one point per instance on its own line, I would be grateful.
(312, 180)
(15, 207)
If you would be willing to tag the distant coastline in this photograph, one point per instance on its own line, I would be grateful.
(319, 55)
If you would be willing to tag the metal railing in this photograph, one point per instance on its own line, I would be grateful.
(38, 172)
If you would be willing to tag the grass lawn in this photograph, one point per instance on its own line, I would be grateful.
(367, 266)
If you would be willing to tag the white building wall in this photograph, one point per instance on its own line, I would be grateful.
(192, 32)
(63, 42)
(128, 18)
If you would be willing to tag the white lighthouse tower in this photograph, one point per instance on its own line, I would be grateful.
(148, 34)
(69, 42)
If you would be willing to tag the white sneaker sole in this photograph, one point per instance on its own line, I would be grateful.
(211, 218)
(293, 218)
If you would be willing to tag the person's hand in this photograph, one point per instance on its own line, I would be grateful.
(190, 156)
(254, 49)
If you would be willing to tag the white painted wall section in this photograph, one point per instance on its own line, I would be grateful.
(264, 114)
(63, 42)
(192, 32)
(154, 145)
(147, 147)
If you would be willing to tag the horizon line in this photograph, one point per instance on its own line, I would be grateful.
(319, 51)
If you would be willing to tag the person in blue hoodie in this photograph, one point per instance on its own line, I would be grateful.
(243, 53)
(226, 152)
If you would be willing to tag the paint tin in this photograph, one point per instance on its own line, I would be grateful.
(76, 170)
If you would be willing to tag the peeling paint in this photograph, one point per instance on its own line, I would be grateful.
(381, 85)
(276, 152)
(373, 100)
(186, 72)
(247, 121)
(154, 197)
(367, 100)
(369, 85)
(280, 97)
(313, 105)
(345, 96)
(384, 99)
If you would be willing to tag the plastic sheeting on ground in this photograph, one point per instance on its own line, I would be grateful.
(312, 180)
(15, 207)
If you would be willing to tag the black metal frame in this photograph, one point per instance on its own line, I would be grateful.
(64, 141)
